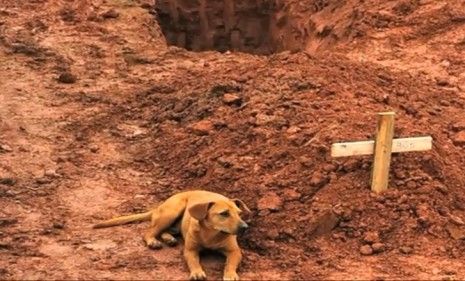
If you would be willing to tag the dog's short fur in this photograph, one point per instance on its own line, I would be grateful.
(212, 221)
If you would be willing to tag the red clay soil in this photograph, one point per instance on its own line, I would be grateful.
(100, 117)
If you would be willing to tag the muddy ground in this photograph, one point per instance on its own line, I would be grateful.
(99, 116)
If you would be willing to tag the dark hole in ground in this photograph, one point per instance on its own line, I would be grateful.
(222, 25)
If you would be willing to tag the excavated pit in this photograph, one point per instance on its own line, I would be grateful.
(258, 27)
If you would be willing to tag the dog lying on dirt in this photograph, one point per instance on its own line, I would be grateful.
(205, 219)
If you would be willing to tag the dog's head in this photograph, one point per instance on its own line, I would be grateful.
(221, 215)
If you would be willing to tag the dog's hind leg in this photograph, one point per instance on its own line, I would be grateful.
(168, 236)
(162, 218)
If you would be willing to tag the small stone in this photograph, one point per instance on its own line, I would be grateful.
(46, 231)
(226, 163)
(385, 98)
(449, 272)
(93, 16)
(459, 126)
(400, 174)
(423, 213)
(371, 237)
(319, 180)
(202, 128)
(51, 173)
(380, 198)
(378, 247)
(403, 207)
(252, 121)
(403, 199)
(264, 213)
(6, 148)
(11, 193)
(444, 103)
(67, 78)
(392, 194)
(272, 233)
(232, 99)
(324, 222)
(58, 225)
(338, 210)
(351, 165)
(263, 119)
(366, 250)
(7, 181)
(110, 14)
(293, 130)
(4, 245)
(7, 221)
(456, 220)
(443, 211)
(456, 232)
(306, 161)
(291, 194)
(411, 185)
(442, 189)
(400, 183)
(442, 81)
(405, 250)
(271, 201)
(329, 168)
(411, 110)
(339, 236)
(353, 234)
(445, 63)
(80, 136)
(131, 131)
(459, 138)
(94, 148)
(427, 158)
(219, 124)
(43, 180)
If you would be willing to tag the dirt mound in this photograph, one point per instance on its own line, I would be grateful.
(263, 131)
(100, 117)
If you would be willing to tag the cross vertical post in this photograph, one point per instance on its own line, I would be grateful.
(382, 152)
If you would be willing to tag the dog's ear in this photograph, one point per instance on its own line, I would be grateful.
(200, 211)
(241, 205)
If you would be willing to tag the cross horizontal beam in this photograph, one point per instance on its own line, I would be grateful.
(367, 147)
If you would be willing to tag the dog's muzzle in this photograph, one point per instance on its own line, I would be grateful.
(242, 227)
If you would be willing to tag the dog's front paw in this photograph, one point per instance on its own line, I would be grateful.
(230, 276)
(198, 275)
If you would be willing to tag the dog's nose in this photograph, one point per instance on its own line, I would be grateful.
(243, 227)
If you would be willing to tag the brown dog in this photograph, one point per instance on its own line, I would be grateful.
(212, 221)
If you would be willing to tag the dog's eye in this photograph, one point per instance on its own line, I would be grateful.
(224, 214)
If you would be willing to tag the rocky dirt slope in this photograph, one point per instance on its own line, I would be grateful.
(98, 116)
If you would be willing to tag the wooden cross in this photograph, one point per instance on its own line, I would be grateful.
(382, 148)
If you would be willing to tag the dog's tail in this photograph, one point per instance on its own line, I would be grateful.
(124, 220)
